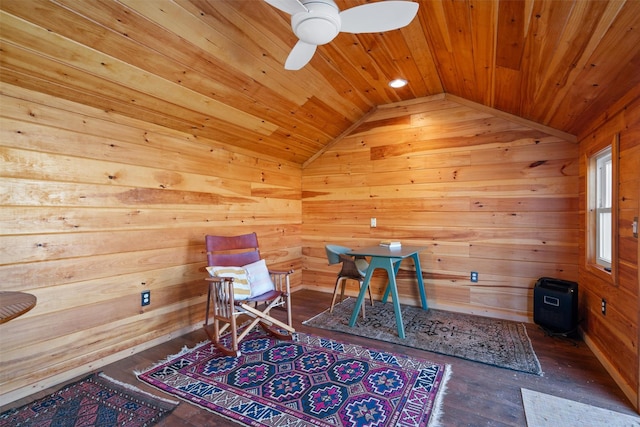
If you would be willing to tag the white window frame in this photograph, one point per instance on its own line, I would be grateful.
(603, 208)
(602, 199)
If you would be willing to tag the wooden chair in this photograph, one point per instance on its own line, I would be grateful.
(234, 262)
(352, 269)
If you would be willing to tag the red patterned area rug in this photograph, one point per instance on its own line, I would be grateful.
(307, 381)
(96, 400)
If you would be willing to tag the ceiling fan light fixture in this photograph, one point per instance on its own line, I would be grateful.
(316, 30)
(397, 83)
(319, 24)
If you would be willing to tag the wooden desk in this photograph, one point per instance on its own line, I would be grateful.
(14, 304)
(389, 260)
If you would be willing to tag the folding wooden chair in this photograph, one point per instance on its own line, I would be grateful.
(241, 284)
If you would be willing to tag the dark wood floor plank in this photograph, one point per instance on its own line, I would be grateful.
(477, 394)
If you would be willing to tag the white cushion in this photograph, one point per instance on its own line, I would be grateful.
(259, 278)
(241, 288)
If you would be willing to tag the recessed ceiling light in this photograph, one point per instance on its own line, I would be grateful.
(397, 83)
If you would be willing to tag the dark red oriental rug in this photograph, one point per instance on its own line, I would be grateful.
(96, 400)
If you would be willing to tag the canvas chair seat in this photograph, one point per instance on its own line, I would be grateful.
(241, 285)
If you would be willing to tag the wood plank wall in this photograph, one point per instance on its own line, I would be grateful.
(96, 208)
(483, 191)
(614, 336)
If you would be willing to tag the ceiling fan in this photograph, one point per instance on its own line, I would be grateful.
(317, 22)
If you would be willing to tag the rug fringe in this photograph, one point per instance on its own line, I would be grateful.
(437, 413)
(136, 389)
(317, 315)
(535, 356)
(183, 351)
(169, 358)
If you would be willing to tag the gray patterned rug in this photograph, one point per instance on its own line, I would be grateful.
(496, 342)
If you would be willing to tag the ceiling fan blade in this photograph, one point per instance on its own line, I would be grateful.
(378, 17)
(300, 55)
(289, 6)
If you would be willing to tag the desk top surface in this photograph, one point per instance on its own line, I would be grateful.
(403, 251)
(14, 304)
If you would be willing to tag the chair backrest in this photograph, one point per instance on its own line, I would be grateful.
(230, 251)
(334, 252)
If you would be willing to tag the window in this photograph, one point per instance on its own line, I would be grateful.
(602, 197)
(603, 202)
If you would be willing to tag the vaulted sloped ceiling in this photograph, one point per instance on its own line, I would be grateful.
(214, 68)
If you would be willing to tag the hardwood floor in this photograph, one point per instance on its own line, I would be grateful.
(476, 395)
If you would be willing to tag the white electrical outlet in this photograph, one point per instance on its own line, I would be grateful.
(374, 223)
(145, 298)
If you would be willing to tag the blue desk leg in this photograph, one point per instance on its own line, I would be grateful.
(390, 265)
(396, 268)
(394, 294)
(423, 295)
(361, 295)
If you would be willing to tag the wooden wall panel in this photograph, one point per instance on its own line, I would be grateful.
(482, 191)
(95, 208)
(614, 337)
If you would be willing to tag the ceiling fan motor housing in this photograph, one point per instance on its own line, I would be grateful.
(319, 25)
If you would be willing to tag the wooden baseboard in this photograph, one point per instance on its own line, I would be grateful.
(631, 394)
(12, 396)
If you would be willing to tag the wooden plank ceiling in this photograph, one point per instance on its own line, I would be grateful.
(214, 68)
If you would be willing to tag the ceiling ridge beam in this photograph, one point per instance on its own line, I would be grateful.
(340, 137)
(513, 118)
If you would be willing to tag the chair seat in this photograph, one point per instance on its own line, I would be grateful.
(267, 296)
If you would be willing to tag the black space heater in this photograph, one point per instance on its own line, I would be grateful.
(555, 305)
